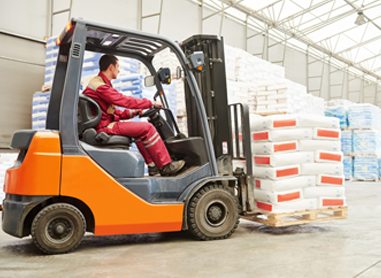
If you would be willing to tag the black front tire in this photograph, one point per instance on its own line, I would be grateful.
(212, 213)
(58, 228)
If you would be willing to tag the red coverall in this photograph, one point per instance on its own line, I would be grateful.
(147, 139)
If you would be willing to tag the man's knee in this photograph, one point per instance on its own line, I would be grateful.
(148, 127)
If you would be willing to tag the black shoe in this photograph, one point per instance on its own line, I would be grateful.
(153, 171)
(172, 168)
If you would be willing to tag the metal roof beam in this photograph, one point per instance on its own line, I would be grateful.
(359, 9)
(222, 10)
(304, 40)
(270, 5)
(333, 19)
(359, 44)
(327, 22)
(369, 58)
(321, 15)
(311, 8)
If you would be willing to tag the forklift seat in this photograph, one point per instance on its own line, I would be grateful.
(89, 115)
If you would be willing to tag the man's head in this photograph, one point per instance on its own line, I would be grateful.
(109, 65)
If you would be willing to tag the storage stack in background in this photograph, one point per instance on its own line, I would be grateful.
(365, 122)
(265, 87)
(361, 138)
(298, 163)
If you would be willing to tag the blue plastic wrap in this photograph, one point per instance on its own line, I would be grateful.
(339, 112)
(348, 167)
(367, 142)
(365, 168)
(346, 142)
(40, 103)
(364, 116)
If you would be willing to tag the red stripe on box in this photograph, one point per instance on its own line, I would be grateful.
(287, 172)
(264, 160)
(257, 136)
(330, 156)
(332, 180)
(288, 196)
(264, 206)
(257, 183)
(333, 202)
(328, 133)
(284, 123)
(284, 147)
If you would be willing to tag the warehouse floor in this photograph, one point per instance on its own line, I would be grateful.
(343, 248)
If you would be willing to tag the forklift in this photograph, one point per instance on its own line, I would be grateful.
(69, 179)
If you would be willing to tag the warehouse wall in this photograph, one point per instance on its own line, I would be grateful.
(21, 62)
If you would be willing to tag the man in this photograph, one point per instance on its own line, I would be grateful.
(147, 139)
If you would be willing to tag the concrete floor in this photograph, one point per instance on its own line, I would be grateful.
(343, 248)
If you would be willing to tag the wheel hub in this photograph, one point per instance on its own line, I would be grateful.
(216, 213)
(59, 229)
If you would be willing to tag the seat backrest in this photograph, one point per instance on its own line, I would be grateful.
(89, 113)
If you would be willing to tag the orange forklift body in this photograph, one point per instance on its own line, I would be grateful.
(45, 171)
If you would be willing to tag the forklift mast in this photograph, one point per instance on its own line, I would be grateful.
(226, 121)
(212, 84)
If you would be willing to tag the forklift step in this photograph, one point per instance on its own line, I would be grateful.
(298, 217)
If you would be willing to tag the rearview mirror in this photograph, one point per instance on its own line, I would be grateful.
(149, 81)
(179, 72)
(164, 75)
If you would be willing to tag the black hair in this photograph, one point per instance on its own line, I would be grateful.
(106, 60)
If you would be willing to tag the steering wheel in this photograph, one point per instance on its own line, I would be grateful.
(150, 112)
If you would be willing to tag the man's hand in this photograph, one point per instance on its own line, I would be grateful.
(136, 112)
(157, 104)
(110, 110)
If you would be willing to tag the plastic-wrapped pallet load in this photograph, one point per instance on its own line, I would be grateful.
(346, 142)
(40, 103)
(340, 112)
(365, 168)
(348, 167)
(361, 137)
(364, 116)
(367, 142)
(290, 178)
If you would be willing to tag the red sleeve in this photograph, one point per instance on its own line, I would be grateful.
(112, 96)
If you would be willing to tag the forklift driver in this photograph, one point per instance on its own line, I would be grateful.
(147, 139)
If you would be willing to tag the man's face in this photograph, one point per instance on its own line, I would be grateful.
(114, 70)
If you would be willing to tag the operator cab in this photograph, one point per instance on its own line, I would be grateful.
(113, 153)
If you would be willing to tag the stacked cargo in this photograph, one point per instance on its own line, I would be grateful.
(40, 103)
(361, 138)
(339, 109)
(297, 163)
(265, 87)
(365, 122)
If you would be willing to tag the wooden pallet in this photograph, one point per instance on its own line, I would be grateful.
(298, 217)
(364, 180)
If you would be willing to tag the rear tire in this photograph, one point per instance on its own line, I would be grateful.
(58, 228)
(212, 213)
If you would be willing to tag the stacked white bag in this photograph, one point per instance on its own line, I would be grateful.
(297, 163)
